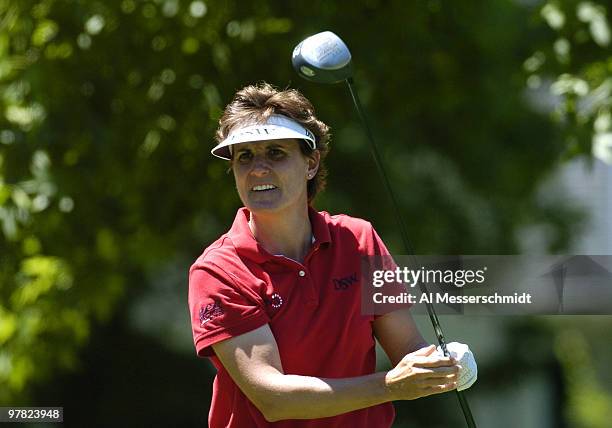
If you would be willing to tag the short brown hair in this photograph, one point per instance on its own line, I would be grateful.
(256, 103)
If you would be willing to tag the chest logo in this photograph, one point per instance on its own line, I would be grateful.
(345, 282)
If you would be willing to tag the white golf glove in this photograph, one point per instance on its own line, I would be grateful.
(465, 358)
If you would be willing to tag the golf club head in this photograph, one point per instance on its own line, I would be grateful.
(322, 58)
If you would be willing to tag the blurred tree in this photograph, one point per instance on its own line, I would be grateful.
(570, 68)
(573, 64)
(108, 113)
(581, 355)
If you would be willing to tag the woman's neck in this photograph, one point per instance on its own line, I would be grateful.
(289, 235)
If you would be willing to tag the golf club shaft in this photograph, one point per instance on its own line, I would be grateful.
(403, 232)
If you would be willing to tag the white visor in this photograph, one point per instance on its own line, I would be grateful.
(277, 127)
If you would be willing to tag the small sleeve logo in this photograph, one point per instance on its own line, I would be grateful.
(210, 311)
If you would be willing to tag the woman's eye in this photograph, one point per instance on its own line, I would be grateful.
(276, 153)
(244, 157)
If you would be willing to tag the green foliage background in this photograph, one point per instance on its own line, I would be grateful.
(108, 191)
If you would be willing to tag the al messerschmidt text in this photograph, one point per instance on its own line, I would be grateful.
(516, 298)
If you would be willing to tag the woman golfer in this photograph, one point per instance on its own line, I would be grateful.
(275, 302)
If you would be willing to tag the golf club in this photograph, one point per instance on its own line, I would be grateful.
(325, 58)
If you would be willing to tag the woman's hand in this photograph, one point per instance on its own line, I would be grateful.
(422, 373)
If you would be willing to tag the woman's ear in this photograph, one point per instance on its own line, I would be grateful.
(313, 163)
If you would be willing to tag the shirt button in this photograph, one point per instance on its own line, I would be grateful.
(302, 273)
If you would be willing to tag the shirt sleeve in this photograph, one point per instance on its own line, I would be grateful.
(380, 249)
(220, 308)
(381, 259)
(377, 262)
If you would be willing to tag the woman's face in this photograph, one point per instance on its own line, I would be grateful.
(271, 176)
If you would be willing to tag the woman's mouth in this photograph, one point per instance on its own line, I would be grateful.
(263, 187)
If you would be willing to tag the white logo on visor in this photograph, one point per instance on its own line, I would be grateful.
(256, 131)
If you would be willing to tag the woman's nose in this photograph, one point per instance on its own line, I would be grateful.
(260, 166)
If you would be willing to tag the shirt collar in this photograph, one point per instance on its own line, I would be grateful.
(248, 247)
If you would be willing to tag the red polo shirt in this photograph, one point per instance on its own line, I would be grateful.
(313, 309)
